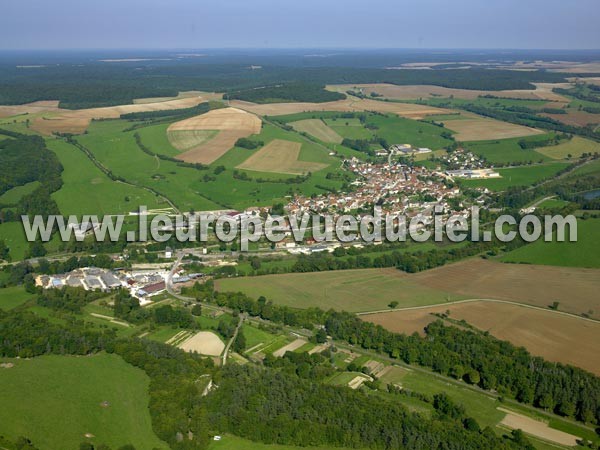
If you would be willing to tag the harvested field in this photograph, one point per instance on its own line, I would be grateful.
(414, 92)
(533, 427)
(77, 121)
(576, 289)
(184, 140)
(231, 124)
(29, 108)
(280, 156)
(317, 128)
(185, 94)
(357, 382)
(409, 110)
(576, 118)
(294, 345)
(205, 343)
(554, 336)
(481, 129)
(575, 147)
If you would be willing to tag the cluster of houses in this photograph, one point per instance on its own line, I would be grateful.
(396, 187)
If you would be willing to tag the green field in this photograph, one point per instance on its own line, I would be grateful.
(508, 151)
(349, 128)
(118, 151)
(157, 136)
(14, 296)
(255, 336)
(56, 400)
(229, 442)
(583, 253)
(13, 235)
(394, 129)
(553, 203)
(318, 129)
(574, 147)
(518, 176)
(398, 130)
(12, 196)
(87, 190)
(348, 290)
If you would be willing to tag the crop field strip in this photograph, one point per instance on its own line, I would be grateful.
(557, 337)
(280, 156)
(77, 121)
(230, 123)
(318, 129)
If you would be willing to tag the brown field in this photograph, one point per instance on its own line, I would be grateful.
(184, 140)
(232, 124)
(205, 343)
(402, 109)
(294, 345)
(184, 94)
(516, 421)
(576, 118)
(77, 121)
(555, 336)
(481, 129)
(318, 129)
(29, 108)
(414, 92)
(280, 156)
(576, 289)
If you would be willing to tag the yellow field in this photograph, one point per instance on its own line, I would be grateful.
(318, 129)
(185, 140)
(185, 94)
(555, 336)
(482, 129)
(231, 124)
(414, 92)
(29, 108)
(575, 147)
(77, 121)
(280, 156)
(409, 110)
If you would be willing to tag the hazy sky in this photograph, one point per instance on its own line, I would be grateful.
(539, 24)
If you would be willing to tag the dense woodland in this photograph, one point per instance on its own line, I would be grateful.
(259, 403)
(476, 357)
(25, 159)
(292, 92)
(82, 86)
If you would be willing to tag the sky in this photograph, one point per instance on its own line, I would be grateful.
(108, 24)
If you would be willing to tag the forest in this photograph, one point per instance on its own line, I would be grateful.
(262, 404)
(25, 159)
(292, 92)
(84, 86)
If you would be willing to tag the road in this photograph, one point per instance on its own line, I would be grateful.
(232, 340)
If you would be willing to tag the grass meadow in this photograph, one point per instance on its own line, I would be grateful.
(583, 253)
(348, 290)
(518, 176)
(56, 400)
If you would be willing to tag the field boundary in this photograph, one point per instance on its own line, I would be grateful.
(472, 300)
